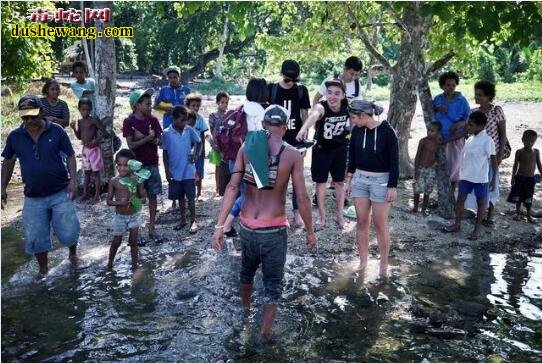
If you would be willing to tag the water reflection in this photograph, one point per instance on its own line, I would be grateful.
(183, 305)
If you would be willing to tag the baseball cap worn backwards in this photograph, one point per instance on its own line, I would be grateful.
(335, 82)
(290, 69)
(276, 115)
(137, 94)
(170, 69)
(29, 105)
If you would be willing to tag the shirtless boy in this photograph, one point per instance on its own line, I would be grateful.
(126, 215)
(424, 166)
(527, 160)
(86, 130)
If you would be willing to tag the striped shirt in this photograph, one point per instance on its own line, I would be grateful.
(59, 110)
(495, 116)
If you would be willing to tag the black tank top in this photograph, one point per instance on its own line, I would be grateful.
(333, 127)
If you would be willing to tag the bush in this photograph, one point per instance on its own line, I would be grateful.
(486, 66)
(534, 72)
(382, 80)
(126, 55)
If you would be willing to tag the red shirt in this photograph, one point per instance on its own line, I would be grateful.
(147, 153)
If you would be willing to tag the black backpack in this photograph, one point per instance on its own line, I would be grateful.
(275, 89)
(356, 85)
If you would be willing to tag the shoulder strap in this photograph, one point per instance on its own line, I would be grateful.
(336, 75)
(356, 88)
(274, 90)
(299, 91)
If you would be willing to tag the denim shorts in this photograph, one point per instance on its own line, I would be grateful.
(268, 247)
(124, 222)
(39, 214)
(153, 185)
(179, 189)
(373, 188)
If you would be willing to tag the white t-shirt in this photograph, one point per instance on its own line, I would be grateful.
(475, 158)
(350, 89)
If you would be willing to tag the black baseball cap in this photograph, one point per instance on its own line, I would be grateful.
(29, 105)
(276, 115)
(290, 69)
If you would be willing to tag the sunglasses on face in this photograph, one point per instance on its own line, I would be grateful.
(289, 80)
(27, 118)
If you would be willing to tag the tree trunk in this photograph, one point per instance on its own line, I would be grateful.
(106, 87)
(372, 58)
(85, 48)
(446, 198)
(218, 66)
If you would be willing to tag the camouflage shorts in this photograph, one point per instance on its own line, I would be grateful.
(425, 181)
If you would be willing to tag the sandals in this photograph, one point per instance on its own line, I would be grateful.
(155, 237)
(193, 228)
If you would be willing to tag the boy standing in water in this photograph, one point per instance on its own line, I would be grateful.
(127, 203)
(477, 157)
(523, 180)
(424, 166)
(86, 130)
(181, 143)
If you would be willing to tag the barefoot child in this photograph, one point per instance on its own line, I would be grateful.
(126, 194)
(523, 180)
(193, 102)
(424, 166)
(86, 130)
(181, 143)
(477, 157)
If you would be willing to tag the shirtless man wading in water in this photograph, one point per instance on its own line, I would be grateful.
(263, 217)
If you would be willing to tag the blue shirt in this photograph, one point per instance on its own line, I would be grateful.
(178, 145)
(175, 96)
(458, 110)
(90, 86)
(42, 168)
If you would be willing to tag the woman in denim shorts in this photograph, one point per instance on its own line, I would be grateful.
(371, 179)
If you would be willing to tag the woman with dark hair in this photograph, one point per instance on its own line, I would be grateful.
(484, 93)
(257, 95)
(371, 178)
(451, 110)
(54, 109)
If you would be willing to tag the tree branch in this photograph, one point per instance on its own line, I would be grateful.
(365, 39)
(438, 64)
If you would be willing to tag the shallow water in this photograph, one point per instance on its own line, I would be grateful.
(183, 305)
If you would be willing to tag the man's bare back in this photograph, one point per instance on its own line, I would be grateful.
(266, 204)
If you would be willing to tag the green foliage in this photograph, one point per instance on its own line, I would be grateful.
(486, 66)
(534, 72)
(215, 86)
(24, 58)
(382, 80)
(126, 55)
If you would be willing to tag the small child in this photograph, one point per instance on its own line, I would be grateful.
(127, 203)
(84, 87)
(193, 102)
(477, 157)
(181, 143)
(215, 122)
(424, 166)
(523, 180)
(86, 130)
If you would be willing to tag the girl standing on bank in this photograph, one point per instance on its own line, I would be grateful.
(371, 179)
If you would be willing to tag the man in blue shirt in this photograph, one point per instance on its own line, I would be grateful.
(181, 145)
(171, 95)
(38, 145)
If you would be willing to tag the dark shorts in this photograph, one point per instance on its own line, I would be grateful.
(328, 161)
(481, 190)
(268, 247)
(153, 185)
(200, 166)
(180, 189)
(523, 190)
